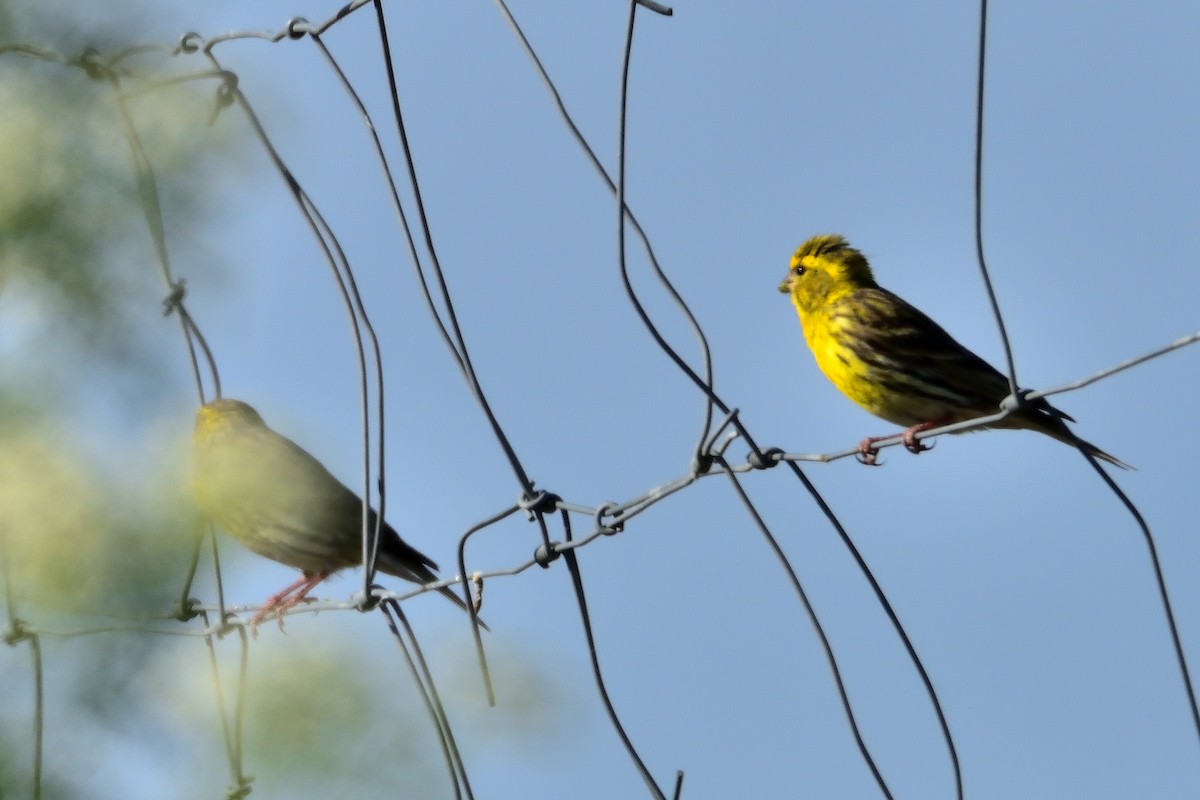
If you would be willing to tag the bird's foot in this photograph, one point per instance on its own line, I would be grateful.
(262, 614)
(868, 454)
(912, 444)
(283, 601)
(909, 437)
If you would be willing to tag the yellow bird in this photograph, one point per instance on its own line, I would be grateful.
(893, 360)
(276, 499)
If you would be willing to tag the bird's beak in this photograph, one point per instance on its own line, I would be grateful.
(786, 286)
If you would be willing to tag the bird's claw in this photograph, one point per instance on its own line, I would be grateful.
(868, 454)
(267, 610)
(914, 445)
(909, 437)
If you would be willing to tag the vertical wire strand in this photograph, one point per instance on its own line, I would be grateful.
(462, 573)
(348, 287)
(211, 361)
(231, 732)
(152, 210)
(398, 206)
(371, 553)
(39, 712)
(815, 622)
(435, 263)
(733, 418)
(220, 584)
(239, 712)
(597, 673)
(16, 632)
(148, 195)
(185, 601)
(339, 266)
(1013, 386)
(385, 608)
(1160, 581)
(1147, 536)
(706, 383)
(894, 619)
(423, 679)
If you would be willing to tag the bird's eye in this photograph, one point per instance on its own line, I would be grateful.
(798, 270)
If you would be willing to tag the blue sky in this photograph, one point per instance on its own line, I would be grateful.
(1022, 582)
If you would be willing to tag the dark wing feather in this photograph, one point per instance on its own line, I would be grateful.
(908, 348)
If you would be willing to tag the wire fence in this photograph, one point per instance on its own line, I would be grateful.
(564, 524)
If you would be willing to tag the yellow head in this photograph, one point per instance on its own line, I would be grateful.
(224, 413)
(823, 269)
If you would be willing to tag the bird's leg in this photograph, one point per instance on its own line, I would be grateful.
(868, 453)
(289, 597)
(911, 444)
(300, 590)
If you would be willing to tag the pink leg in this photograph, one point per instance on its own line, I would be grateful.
(289, 597)
(911, 444)
(867, 452)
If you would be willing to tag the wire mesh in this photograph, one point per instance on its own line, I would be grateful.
(137, 74)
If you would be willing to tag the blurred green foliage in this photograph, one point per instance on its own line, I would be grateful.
(96, 524)
(95, 527)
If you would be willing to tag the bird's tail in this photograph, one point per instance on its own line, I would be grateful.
(1040, 416)
(398, 557)
(1049, 421)
(1096, 452)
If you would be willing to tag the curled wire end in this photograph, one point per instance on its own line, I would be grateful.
(297, 28)
(477, 595)
(17, 632)
(764, 459)
(544, 555)
(223, 97)
(540, 502)
(364, 601)
(188, 609)
(609, 509)
(89, 61)
(229, 624)
(656, 7)
(174, 298)
(241, 790)
(189, 43)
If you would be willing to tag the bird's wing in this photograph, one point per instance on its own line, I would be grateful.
(331, 503)
(900, 338)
